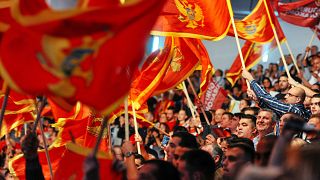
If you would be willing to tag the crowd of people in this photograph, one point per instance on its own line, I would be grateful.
(275, 134)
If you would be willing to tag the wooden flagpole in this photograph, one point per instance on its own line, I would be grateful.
(4, 105)
(277, 39)
(310, 42)
(135, 126)
(292, 57)
(237, 39)
(201, 106)
(126, 119)
(44, 139)
(188, 99)
(41, 106)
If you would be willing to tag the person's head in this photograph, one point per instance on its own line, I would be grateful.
(315, 122)
(149, 116)
(251, 111)
(295, 95)
(238, 154)
(314, 49)
(196, 164)
(266, 82)
(170, 113)
(315, 87)
(158, 170)
(218, 73)
(244, 103)
(182, 115)
(315, 104)
(183, 139)
(260, 68)
(316, 62)
(284, 83)
(187, 143)
(247, 126)
(235, 122)
(226, 119)
(164, 127)
(264, 148)
(218, 115)
(163, 118)
(266, 121)
(305, 163)
(284, 118)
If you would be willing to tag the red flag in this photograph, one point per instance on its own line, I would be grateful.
(78, 111)
(256, 26)
(303, 13)
(17, 164)
(77, 65)
(186, 57)
(252, 52)
(206, 19)
(151, 74)
(214, 97)
(20, 109)
(71, 164)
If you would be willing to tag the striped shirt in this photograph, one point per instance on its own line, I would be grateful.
(280, 108)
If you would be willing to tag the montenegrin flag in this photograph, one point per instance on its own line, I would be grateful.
(151, 74)
(205, 19)
(252, 53)
(71, 164)
(80, 54)
(256, 26)
(186, 57)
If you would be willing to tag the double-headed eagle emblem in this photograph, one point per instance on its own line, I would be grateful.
(192, 14)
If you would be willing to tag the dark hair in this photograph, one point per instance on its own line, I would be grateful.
(246, 145)
(268, 79)
(251, 117)
(178, 129)
(208, 114)
(163, 170)
(228, 114)
(254, 109)
(199, 161)
(167, 129)
(239, 115)
(187, 140)
(248, 101)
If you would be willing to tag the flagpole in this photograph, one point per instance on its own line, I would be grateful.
(188, 99)
(4, 105)
(196, 95)
(42, 104)
(277, 39)
(237, 38)
(44, 139)
(292, 57)
(99, 138)
(310, 42)
(135, 126)
(36, 122)
(126, 119)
